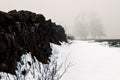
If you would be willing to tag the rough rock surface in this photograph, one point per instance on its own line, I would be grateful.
(25, 31)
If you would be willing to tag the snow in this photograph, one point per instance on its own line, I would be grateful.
(6, 76)
(93, 61)
(90, 61)
(29, 68)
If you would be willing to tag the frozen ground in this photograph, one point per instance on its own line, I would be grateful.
(93, 61)
(90, 61)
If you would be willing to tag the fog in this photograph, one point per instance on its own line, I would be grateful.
(64, 12)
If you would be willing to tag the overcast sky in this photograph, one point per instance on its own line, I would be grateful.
(64, 12)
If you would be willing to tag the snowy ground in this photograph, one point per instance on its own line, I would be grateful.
(90, 61)
(93, 61)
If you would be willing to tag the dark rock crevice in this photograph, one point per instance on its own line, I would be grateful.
(25, 31)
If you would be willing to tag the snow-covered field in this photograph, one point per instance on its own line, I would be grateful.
(90, 61)
(93, 61)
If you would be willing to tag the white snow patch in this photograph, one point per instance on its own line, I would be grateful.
(93, 61)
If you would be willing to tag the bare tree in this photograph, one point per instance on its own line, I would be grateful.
(96, 28)
(89, 26)
(81, 27)
(29, 68)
